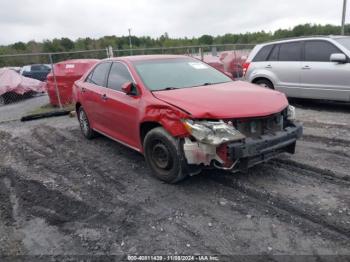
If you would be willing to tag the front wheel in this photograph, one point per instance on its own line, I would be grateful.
(265, 83)
(164, 156)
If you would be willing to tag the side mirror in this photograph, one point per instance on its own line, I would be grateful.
(129, 88)
(338, 58)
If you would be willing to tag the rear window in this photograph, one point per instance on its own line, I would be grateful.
(263, 53)
(344, 41)
(39, 68)
(319, 51)
(290, 51)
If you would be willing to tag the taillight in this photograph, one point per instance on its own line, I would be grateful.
(245, 68)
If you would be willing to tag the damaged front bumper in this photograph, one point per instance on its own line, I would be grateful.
(241, 155)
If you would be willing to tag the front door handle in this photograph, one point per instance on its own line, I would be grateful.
(268, 66)
(306, 67)
(104, 97)
(83, 90)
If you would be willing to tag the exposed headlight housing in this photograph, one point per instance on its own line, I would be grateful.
(210, 132)
(291, 113)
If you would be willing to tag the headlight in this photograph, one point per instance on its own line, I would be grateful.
(214, 133)
(291, 113)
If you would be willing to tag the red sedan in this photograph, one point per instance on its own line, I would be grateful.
(184, 115)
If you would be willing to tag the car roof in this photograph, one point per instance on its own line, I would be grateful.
(301, 38)
(146, 57)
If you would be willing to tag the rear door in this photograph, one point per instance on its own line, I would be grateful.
(92, 92)
(121, 116)
(321, 78)
(284, 62)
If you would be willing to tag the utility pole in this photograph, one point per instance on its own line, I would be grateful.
(130, 44)
(343, 18)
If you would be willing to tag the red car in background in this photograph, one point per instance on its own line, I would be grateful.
(184, 115)
(64, 74)
(228, 62)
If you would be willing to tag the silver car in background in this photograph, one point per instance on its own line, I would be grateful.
(308, 67)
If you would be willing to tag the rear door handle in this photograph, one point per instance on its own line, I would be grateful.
(104, 97)
(83, 90)
(268, 66)
(306, 67)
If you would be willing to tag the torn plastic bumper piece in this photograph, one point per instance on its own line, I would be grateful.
(249, 152)
(255, 151)
(198, 153)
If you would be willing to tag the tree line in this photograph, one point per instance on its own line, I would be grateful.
(122, 42)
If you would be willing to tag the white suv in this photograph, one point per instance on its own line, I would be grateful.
(309, 67)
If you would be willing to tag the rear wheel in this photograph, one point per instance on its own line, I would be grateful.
(265, 83)
(164, 156)
(85, 127)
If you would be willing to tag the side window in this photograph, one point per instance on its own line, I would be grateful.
(118, 76)
(98, 76)
(319, 51)
(274, 53)
(290, 52)
(25, 69)
(36, 68)
(263, 54)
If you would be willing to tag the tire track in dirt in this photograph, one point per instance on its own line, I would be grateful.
(281, 203)
(308, 170)
(81, 161)
(320, 148)
(67, 155)
(316, 124)
(334, 141)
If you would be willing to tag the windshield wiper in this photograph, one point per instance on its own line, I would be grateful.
(167, 88)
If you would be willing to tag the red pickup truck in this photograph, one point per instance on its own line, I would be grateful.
(184, 115)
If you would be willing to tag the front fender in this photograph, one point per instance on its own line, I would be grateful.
(170, 118)
(263, 74)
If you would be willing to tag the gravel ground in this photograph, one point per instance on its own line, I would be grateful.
(15, 111)
(61, 194)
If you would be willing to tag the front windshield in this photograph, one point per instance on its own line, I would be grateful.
(173, 73)
(344, 41)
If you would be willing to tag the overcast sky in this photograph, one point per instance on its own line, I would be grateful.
(24, 20)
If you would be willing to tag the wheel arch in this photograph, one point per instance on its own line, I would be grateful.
(147, 126)
(77, 106)
(256, 79)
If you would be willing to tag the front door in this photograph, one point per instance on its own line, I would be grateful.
(285, 62)
(120, 110)
(321, 78)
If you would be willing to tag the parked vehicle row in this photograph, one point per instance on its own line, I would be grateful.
(36, 71)
(312, 67)
(14, 86)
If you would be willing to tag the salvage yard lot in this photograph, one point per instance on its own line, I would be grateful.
(62, 194)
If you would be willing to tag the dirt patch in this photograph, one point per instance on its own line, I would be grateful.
(63, 195)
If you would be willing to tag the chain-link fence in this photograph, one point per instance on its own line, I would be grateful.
(32, 83)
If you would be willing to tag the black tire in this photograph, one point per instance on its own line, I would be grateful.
(265, 83)
(164, 156)
(84, 123)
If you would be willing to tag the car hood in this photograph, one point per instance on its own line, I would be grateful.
(227, 100)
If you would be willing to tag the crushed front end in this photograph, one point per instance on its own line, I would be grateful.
(238, 144)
